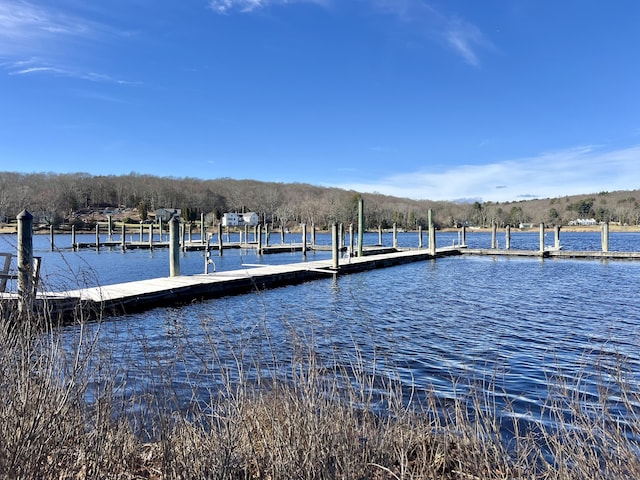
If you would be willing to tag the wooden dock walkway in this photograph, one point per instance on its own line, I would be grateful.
(141, 295)
(553, 253)
(128, 297)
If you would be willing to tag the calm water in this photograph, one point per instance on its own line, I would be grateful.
(513, 323)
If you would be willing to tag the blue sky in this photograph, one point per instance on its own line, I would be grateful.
(494, 100)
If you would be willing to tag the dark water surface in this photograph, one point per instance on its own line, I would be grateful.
(513, 326)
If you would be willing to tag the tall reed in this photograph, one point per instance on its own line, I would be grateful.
(72, 407)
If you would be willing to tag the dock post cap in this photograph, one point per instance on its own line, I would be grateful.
(24, 214)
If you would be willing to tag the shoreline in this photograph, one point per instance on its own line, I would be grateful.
(12, 229)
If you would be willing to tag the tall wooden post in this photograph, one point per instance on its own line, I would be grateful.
(313, 234)
(266, 234)
(123, 237)
(542, 238)
(220, 246)
(464, 236)
(74, 246)
(304, 239)
(380, 235)
(507, 237)
(340, 236)
(25, 262)
(151, 236)
(97, 236)
(494, 230)
(109, 227)
(432, 234)
(160, 228)
(202, 229)
(183, 236)
(351, 240)
(419, 236)
(174, 246)
(334, 246)
(605, 237)
(259, 239)
(556, 242)
(282, 233)
(395, 236)
(141, 231)
(360, 227)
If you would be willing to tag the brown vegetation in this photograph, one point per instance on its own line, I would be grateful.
(65, 413)
(81, 198)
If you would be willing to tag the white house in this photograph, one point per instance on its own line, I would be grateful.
(240, 219)
(583, 221)
(230, 220)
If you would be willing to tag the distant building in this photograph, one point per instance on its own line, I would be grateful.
(240, 219)
(583, 221)
(166, 214)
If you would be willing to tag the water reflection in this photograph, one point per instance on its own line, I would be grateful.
(515, 329)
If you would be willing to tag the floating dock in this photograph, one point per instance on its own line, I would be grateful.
(128, 297)
(553, 253)
(123, 298)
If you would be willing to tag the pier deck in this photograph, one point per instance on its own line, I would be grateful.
(141, 295)
(552, 253)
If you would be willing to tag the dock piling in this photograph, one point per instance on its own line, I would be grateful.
(556, 242)
(360, 227)
(507, 237)
(395, 235)
(174, 246)
(605, 237)
(25, 262)
(334, 246)
(494, 231)
(304, 239)
(202, 231)
(542, 238)
(432, 234)
(351, 240)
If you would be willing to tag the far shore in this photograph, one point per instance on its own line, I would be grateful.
(12, 229)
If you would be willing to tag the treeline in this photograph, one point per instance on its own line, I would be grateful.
(57, 198)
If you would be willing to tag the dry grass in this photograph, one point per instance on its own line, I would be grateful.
(310, 419)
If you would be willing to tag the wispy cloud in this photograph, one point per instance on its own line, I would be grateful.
(465, 39)
(36, 39)
(35, 66)
(567, 172)
(460, 36)
(245, 6)
(25, 28)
